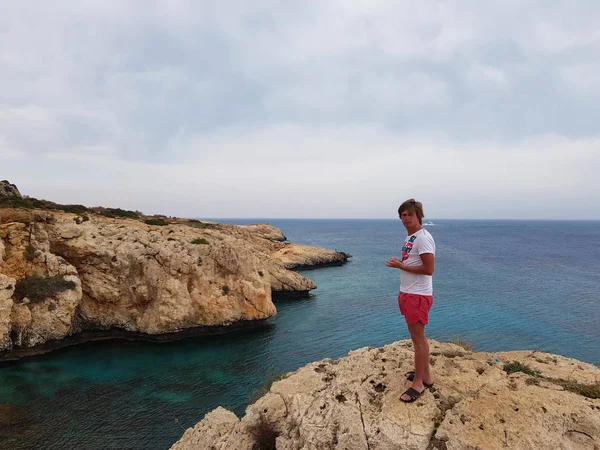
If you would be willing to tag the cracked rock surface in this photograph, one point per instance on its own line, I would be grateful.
(353, 404)
(296, 257)
(128, 275)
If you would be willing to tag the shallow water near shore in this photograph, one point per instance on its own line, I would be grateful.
(500, 285)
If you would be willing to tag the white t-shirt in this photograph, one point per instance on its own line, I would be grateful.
(415, 245)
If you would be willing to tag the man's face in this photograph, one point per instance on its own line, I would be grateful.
(409, 218)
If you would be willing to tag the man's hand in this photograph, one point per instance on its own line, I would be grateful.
(427, 268)
(395, 263)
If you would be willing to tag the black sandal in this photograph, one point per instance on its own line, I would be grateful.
(413, 394)
(411, 376)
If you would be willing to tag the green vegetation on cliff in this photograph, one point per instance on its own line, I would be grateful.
(37, 288)
(34, 203)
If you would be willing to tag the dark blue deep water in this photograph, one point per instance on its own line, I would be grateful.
(501, 285)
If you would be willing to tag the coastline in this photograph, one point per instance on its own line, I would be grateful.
(116, 335)
(62, 274)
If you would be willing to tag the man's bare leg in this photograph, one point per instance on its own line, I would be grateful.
(421, 346)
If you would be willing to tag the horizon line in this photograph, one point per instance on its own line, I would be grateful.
(386, 218)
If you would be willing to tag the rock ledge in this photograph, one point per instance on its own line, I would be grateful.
(353, 404)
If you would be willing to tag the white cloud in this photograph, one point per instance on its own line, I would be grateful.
(486, 77)
(28, 126)
(295, 99)
(6, 153)
(582, 79)
(354, 172)
(558, 37)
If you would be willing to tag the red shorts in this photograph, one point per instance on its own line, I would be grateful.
(414, 307)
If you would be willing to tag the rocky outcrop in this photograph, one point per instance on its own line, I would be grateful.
(158, 277)
(9, 190)
(266, 231)
(7, 288)
(353, 404)
(298, 257)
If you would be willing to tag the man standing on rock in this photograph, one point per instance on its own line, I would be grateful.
(416, 292)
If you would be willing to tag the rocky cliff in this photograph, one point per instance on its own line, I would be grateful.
(63, 273)
(298, 257)
(524, 400)
(8, 189)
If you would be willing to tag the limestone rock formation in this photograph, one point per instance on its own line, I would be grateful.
(130, 275)
(266, 231)
(7, 287)
(353, 404)
(9, 190)
(297, 257)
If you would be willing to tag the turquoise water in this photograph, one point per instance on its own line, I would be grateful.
(500, 285)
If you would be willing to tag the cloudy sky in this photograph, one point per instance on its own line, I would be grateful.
(312, 108)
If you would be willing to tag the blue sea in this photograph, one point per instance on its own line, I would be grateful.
(500, 285)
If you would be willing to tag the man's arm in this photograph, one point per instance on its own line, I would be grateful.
(427, 268)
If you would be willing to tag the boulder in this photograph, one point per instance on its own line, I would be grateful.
(8, 189)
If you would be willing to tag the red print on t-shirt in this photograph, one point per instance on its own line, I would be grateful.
(407, 247)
